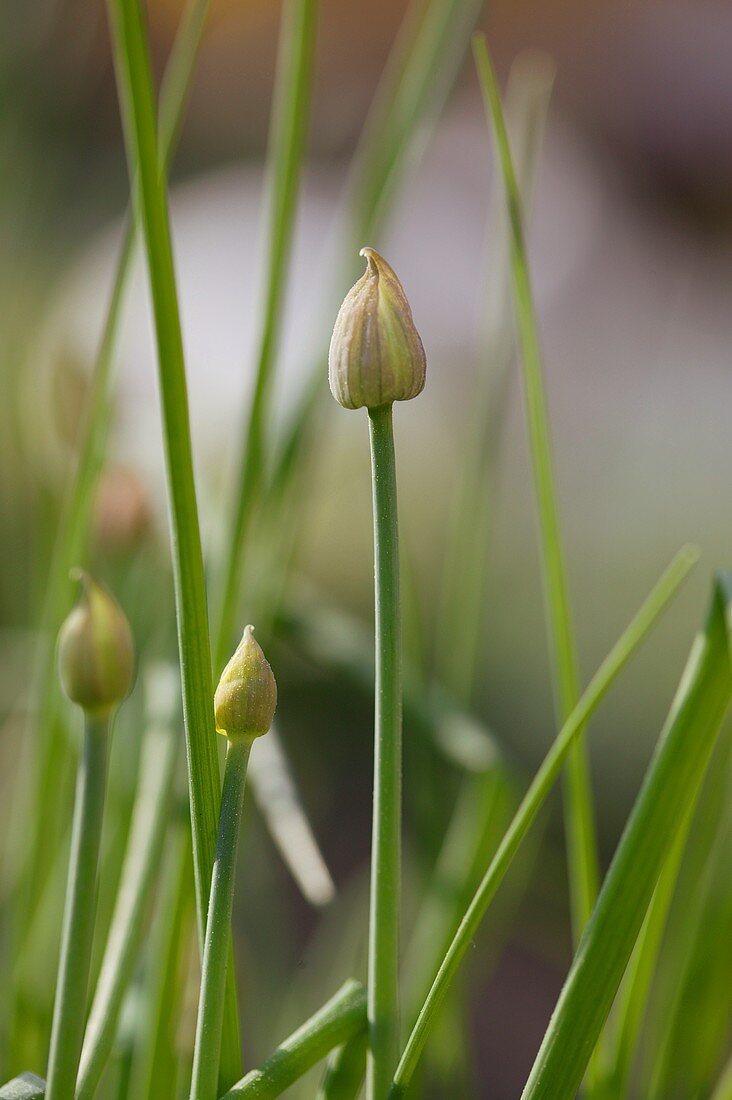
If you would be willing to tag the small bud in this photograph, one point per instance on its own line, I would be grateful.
(246, 698)
(376, 355)
(95, 649)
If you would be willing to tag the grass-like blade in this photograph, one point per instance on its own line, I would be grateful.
(338, 1021)
(669, 788)
(530, 805)
(579, 814)
(134, 78)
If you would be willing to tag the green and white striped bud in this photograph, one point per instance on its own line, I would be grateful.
(376, 355)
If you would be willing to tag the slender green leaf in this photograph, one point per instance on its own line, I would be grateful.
(579, 815)
(530, 805)
(670, 787)
(340, 1019)
(132, 64)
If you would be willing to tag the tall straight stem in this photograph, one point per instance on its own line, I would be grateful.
(383, 965)
(69, 1012)
(216, 944)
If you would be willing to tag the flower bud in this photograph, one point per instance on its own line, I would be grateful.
(95, 650)
(376, 355)
(246, 698)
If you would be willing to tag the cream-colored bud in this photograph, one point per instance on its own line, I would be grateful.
(95, 650)
(376, 355)
(246, 698)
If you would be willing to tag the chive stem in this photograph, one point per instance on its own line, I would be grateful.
(69, 1013)
(383, 963)
(216, 944)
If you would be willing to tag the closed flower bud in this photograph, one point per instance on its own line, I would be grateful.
(376, 355)
(246, 698)
(95, 650)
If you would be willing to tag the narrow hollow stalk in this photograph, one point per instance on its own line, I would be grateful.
(530, 805)
(69, 1012)
(579, 813)
(131, 51)
(339, 1020)
(383, 963)
(218, 926)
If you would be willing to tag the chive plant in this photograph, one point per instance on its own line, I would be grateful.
(244, 705)
(95, 656)
(376, 358)
(134, 78)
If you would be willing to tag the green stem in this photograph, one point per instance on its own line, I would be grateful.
(69, 1012)
(383, 967)
(134, 79)
(530, 805)
(339, 1020)
(579, 816)
(216, 944)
